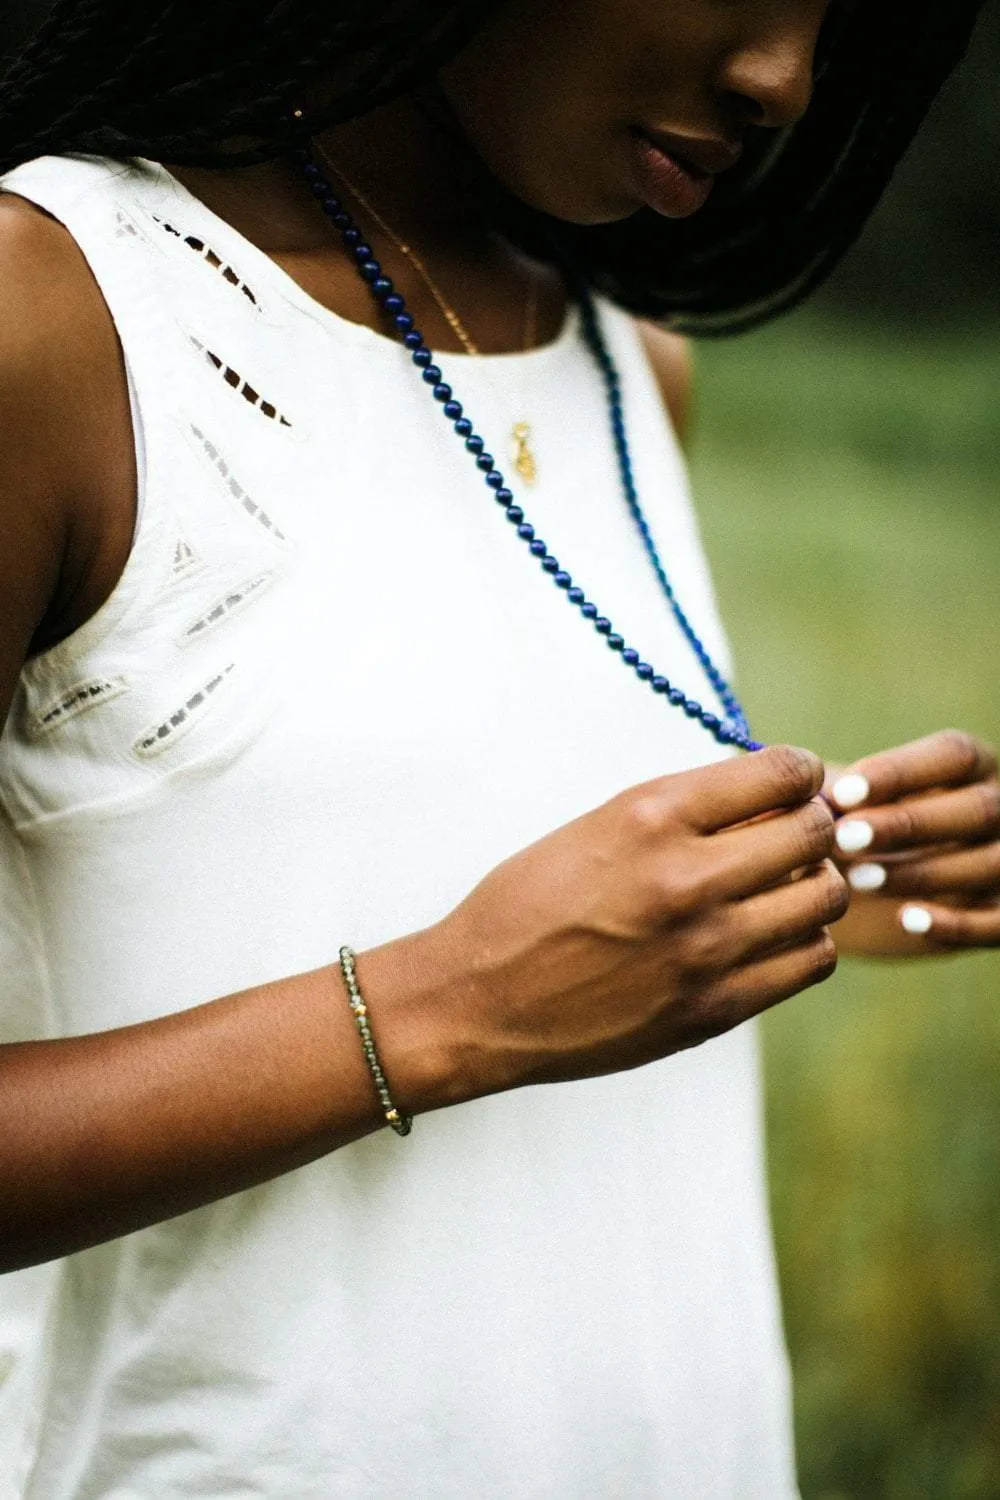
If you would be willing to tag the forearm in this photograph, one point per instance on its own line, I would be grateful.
(104, 1134)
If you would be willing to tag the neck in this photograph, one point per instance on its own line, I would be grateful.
(408, 163)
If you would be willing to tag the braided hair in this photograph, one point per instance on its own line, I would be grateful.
(171, 79)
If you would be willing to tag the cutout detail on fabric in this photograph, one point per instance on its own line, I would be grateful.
(211, 258)
(236, 381)
(235, 489)
(75, 700)
(226, 606)
(177, 724)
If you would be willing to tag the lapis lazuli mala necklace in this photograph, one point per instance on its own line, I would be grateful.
(731, 730)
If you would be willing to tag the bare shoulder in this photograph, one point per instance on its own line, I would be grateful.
(62, 389)
(670, 357)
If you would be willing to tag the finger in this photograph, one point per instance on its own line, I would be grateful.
(767, 981)
(732, 791)
(784, 917)
(952, 926)
(948, 758)
(745, 860)
(971, 812)
(974, 871)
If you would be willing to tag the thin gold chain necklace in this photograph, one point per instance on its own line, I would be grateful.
(520, 435)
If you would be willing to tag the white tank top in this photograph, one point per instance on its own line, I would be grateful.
(331, 691)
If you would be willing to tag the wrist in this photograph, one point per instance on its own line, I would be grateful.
(417, 992)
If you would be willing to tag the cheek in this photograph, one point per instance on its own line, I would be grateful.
(546, 103)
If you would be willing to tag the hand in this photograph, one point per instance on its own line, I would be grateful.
(920, 844)
(650, 924)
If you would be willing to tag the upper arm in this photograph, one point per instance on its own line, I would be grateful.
(670, 356)
(54, 389)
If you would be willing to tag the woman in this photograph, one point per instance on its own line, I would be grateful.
(283, 677)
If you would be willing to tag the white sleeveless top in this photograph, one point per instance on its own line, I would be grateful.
(329, 693)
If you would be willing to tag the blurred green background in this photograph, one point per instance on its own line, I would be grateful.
(847, 468)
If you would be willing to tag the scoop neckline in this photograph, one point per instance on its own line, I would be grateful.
(268, 272)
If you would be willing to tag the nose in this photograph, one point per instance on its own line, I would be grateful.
(769, 77)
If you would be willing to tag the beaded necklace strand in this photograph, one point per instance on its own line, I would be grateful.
(733, 729)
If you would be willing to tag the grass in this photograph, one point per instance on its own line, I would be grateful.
(848, 486)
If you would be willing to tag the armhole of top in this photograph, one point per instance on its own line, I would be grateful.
(139, 445)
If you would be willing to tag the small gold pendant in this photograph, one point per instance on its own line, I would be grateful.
(524, 459)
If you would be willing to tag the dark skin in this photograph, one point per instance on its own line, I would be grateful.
(695, 901)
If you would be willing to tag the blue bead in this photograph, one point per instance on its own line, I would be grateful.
(575, 594)
(589, 611)
(660, 684)
(415, 340)
(676, 697)
(691, 708)
(432, 374)
(550, 563)
(403, 322)
(602, 625)
(644, 672)
(382, 286)
(363, 251)
(494, 479)
(526, 531)
(395, 304)
(311, 170)
(319, 189)
(485, 462)
(562, 579)
(711, 722)
(423, 358)
(514, 514)
(724, 735)
(340, 219)
(615, 641)
(330, 205)
(442, 392)
(452, 410)
(475, 444)
(538, 548)
(504, 495)
(463, 427)
(631, 655)
(352, 236)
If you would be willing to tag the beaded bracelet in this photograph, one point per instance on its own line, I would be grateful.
(401, 1124)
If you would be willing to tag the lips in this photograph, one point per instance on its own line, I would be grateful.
(674, 174)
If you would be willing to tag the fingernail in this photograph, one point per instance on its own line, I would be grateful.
(866, 877)
(853, 834)
(916, 919)
(850, 790)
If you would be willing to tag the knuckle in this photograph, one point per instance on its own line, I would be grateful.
(989, 797)
(681, 891)
(835, 896)
(798, 773)
(646, 814)
(901, 827)
(816, 830)
(964, 750)
(703, 948)
(822, 957)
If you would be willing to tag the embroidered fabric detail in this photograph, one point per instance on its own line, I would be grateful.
(234, 487)
(226, 606)
(246, 390)
(185, 558)
(76, 700)
(211, 258)
(177, 724)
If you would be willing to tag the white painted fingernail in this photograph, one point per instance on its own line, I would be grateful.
(866, 877)
(850, 790)
(853, 835)
(916, 919)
